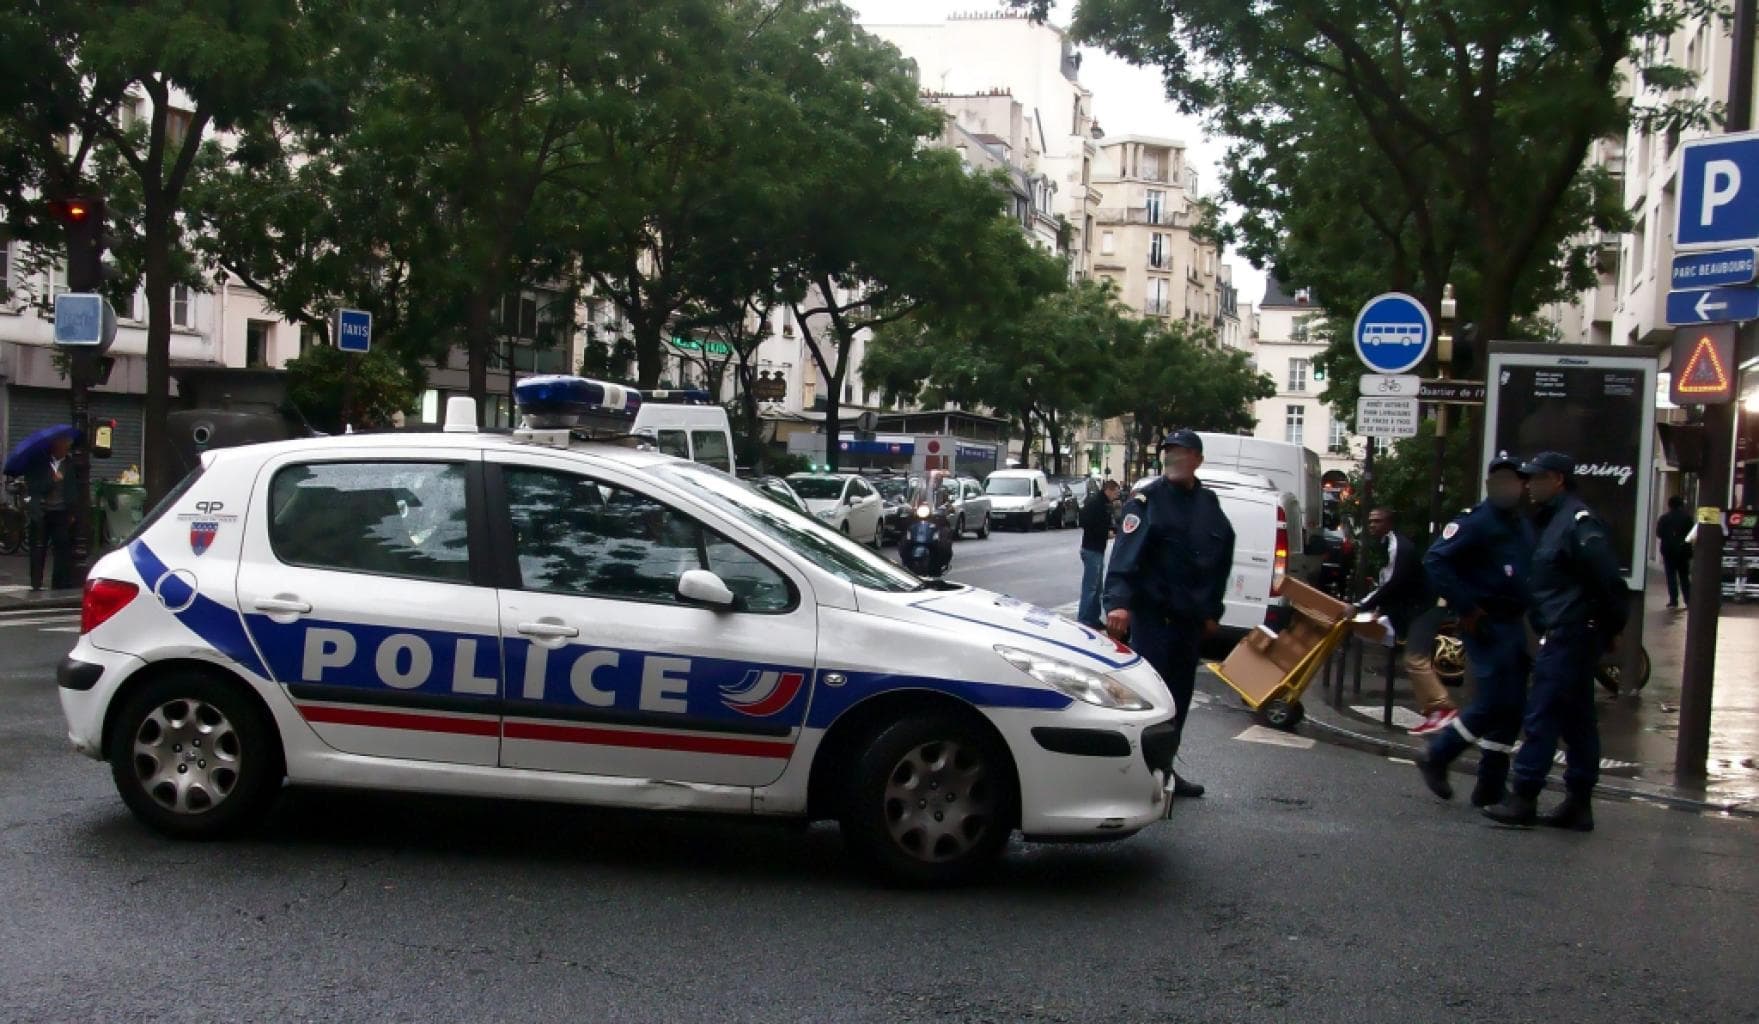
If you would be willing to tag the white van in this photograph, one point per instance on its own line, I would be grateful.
(1261, 515)
(688, 425)
(1291, 467)
(1019, 498)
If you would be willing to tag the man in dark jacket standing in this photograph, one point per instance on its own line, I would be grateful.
(1404, 597)
(1168, 577)
(1096, 531)
(1676, 555)
(48, 485)
(1578, 610)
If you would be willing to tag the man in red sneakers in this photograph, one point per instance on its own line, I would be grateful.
(1404, 597)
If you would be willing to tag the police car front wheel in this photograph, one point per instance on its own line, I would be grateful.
(931, 800)
(193, 757)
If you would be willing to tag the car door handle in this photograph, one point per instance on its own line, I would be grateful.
(281, 605)
(547, 630)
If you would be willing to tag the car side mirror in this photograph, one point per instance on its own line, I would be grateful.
(699, 586)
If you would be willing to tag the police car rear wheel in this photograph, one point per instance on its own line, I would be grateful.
(192, 757)
(930, 802)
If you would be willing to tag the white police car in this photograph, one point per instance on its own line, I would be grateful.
(533, 616)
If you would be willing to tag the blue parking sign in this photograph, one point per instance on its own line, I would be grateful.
(354, 330)
(1719, 192)
(1393, 333)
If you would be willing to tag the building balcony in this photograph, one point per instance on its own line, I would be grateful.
(1158, 307)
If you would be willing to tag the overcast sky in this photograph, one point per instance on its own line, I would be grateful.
(1127, 100)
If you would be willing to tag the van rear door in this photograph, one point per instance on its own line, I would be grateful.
(1253, 515)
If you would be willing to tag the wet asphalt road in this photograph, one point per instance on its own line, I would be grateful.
(1313, 884)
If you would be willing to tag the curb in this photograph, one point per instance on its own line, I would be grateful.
(1652, 793)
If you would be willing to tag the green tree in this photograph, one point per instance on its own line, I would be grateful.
(1176, 376)
(1412, 143)
(332, 388)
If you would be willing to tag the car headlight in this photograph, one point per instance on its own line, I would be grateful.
(1079, 682)
(826, 513)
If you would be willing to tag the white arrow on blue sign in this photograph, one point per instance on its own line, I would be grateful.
(1393, 333)
(1712, 305)
(1719, 192)
(1719, 268)
(354, 330)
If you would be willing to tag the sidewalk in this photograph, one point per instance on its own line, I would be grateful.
(1638, 733)
(16, 593)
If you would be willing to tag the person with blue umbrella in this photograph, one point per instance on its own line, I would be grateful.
(44, 460)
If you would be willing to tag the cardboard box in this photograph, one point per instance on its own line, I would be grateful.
(1260, 662)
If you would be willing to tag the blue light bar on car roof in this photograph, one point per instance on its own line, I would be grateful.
(560, 400)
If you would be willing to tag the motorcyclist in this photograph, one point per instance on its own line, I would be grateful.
(926, 548)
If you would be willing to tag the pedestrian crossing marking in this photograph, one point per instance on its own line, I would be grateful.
(1403, 717)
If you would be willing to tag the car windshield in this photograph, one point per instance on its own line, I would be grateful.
(817, 488)
(1009, 486)
(778, 490)
(893, 489)
(823, 547)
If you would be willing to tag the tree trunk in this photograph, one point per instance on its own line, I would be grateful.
(649, 352)
(833, 408)
(479, 336)
(1026, 436)
(748, 406)
(159, 236)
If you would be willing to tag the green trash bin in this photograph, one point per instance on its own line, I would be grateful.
(120, 509)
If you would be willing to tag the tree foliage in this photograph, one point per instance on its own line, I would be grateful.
(332, 388)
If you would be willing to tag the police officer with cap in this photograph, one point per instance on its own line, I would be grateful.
(1168, 575)
(1479, 566)
(1578, 611)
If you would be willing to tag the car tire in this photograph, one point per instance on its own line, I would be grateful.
(983, 528)
(959, 527)
(195, 757)
(963, 786)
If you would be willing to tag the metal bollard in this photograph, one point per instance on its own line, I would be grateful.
(1392, 654)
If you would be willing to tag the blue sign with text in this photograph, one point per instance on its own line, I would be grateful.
(1716, 269)
(1393, 333)
(354, 330)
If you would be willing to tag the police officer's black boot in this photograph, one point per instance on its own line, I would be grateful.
(1185, 787)
(1493, 774)
(1575, 813)
(1435, 776)
(1515, 810)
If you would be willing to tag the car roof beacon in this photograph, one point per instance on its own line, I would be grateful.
(553, 407)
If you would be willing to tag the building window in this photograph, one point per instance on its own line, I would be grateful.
(1157, 251)
(177, 126)
(57, 281)
(129, 307)
(256, 343)
(1156, 203)
(5, 269)
(1294, 424)
(1300, 329)
(309, 339)
(1298, 375)
(1108, 243)
(1340, 437)
(180, 312)
(1158, 302)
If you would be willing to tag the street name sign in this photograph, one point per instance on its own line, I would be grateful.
(1393, 333)
(1387, 417)
(1719, 268)
(354, 330)
(1389, 385)
(1444, 391)
(1712, 305)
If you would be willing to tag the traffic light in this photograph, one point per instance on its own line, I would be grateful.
(83, 219)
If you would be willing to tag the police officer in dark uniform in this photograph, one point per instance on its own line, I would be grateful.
(1168, 575)
(1479, 565)
(1578, 611)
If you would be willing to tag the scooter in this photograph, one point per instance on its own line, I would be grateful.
(926, 548)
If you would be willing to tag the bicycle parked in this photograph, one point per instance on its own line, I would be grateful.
(14, 523)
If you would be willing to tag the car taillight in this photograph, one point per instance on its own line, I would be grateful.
(1349, 546)
(1280, 569)
(103, 599)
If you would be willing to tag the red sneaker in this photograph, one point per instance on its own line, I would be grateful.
(1435, 721)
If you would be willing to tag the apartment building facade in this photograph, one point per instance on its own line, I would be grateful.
(1286, 346)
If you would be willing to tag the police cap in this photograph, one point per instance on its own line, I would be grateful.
(1504, 460)
(1186, 438)
(1550, 462)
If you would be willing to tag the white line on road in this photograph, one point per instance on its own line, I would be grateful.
(56, 620)
(62, 629)
(1274, 738)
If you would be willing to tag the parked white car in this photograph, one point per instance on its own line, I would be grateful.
(844, 502)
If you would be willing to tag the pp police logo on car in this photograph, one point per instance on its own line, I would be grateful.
(543, 617)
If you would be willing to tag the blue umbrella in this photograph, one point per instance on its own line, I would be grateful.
(36, 446)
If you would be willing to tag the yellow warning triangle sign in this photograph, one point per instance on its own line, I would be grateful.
(1704, 373)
